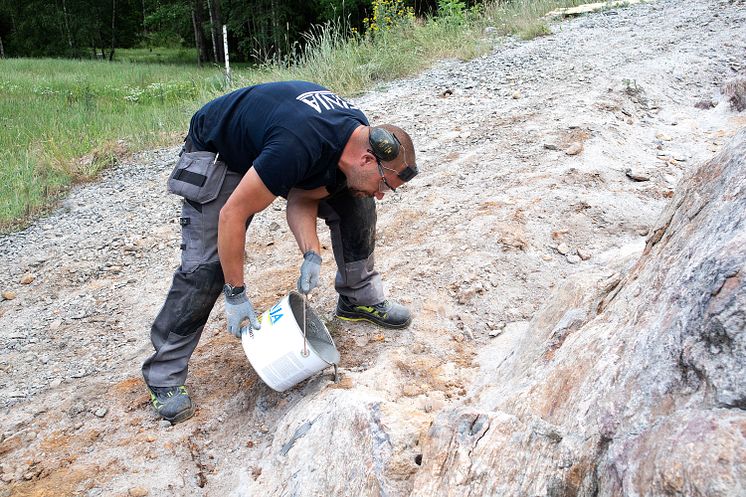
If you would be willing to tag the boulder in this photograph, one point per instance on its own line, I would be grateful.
(637, 388)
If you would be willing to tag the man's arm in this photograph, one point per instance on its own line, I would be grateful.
(251, 196)
(302, 210)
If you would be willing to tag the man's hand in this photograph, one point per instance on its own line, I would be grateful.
(238, 309)
(309, 272)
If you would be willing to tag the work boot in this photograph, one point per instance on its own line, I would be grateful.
(388, 314)
(172, 403)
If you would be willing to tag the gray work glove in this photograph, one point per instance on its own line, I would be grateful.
(237, 309)
(309, 272)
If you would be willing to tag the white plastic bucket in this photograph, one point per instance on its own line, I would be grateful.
(276, 350)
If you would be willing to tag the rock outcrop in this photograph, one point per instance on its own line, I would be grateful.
(628, 384)
(634, 387)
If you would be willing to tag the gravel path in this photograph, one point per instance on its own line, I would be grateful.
(541, 160)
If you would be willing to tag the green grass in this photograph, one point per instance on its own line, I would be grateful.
(157, 55)
(62, 121)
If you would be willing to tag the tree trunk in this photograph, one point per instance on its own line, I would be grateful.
(213, 35)
(113, 28)
(60, 25)
(275, 30)
(144, 27)
(67, 25)
(216, 22)
(2, 50)
(199, 37)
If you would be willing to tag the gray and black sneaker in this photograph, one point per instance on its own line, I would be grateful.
(172, 403)
(388, 314)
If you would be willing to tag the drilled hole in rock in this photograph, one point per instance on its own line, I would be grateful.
(418, 459)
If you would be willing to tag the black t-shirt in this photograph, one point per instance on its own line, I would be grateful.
(292, 132)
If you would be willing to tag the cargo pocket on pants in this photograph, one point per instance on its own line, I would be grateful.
(198, 176)
(192, 245)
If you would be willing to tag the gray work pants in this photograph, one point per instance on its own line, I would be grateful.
(198, 282)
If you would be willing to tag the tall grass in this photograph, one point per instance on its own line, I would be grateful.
(61, 121)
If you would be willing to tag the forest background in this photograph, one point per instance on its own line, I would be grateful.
(84, 83)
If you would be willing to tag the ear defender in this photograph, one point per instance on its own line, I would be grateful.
(385, 147)
(384, 144)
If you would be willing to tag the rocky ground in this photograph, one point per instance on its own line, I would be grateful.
(542, 160)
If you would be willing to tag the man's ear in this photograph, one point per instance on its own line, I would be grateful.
(367, 158)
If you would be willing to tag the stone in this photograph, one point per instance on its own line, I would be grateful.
(100, 412)
(11, 443)
(8, 295)
(55, 383)
(516, 95)
(27, 279)
(550, 146)
(563, 248)
(410, 390)
(572, 258)
(734, 90)
(636, 175)
(584, 254)
(574, 149)
(138, 492)
(663, 137)
(431, 404)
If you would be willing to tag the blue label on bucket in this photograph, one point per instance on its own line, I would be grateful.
(275, 314)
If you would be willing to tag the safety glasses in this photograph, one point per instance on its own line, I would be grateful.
(385, 187)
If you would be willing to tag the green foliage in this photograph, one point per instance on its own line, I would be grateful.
(534, 30)
(168, 24)
(157, 55)
(522, 18)
(451, 9)
(387, 14)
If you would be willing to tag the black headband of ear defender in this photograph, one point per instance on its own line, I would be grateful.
(385, 146)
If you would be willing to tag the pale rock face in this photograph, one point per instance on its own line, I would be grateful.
(628, 384)
(343, 442)
(644, 394)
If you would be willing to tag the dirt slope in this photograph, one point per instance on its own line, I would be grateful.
(501, 215)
